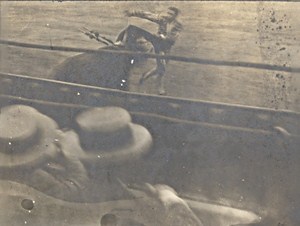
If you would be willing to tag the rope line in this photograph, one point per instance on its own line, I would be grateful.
(157, 56)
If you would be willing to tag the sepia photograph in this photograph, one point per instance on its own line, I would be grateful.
(149, 113)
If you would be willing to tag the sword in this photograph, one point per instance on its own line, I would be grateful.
(95, 35)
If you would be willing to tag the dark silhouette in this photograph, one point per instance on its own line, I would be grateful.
(110, 70)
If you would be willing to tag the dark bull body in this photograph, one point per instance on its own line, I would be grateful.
(110, 70)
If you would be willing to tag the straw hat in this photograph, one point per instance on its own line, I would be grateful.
(108, 134)
(26, 137)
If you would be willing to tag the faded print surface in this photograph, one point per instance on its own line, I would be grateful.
(219, 147)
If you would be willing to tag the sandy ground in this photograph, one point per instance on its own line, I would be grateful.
(261, 32)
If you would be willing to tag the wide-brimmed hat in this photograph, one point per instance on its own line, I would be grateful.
(107, 135)
(26, 137)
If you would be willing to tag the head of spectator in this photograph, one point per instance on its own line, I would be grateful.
(27, 138)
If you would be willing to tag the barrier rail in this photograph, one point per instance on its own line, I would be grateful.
(183, 109)
(157, 56)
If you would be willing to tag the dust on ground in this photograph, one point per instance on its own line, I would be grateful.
(262, 32)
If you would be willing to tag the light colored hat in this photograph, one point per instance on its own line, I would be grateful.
(26, 137)
(107, 135)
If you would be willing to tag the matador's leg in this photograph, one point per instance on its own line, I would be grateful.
(161, 71)
(148, 74)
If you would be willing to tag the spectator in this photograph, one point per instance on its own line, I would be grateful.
(31, 153)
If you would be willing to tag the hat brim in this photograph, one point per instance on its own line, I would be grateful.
(40, 152)
(140, 145)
